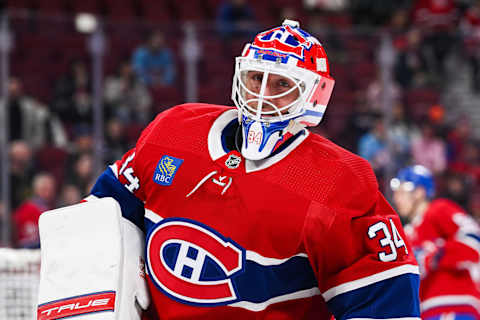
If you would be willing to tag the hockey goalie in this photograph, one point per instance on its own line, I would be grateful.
(241, 213)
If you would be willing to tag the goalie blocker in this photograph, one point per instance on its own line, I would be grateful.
(112, 288)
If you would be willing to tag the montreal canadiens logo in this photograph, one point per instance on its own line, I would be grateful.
(193, 263)
(281, 39)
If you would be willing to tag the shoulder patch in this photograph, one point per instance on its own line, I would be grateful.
(166, 169)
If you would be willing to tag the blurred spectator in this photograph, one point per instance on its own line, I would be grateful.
(21, 172)
(435, 14)
(436, 115)
(400, 21)
(82, 140)
(457, 188)
(360, 121)
(77, 79)
(376, 89)
(318, 23)
(72, 98)
(438, 20)
(373, 146)
(429, 150)
(26, 216)
(70, 195)
(127, 98)
(153, 63)
(115, 140)
(470, 26)
(31, 121)
(80, 163)
(468, 163)
(400, 133)
(288, 12)
(328, 5)
(81, 174)
(81, 111)
(235, 18)
(374, 12)
(457, 138)
(411, 67)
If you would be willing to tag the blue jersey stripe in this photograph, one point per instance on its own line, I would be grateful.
(259, 283)
(395, 297)
(107, 185)
(149, 224)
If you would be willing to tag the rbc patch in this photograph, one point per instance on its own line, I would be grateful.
(166, 169)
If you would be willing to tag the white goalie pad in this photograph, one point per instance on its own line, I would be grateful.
(92, 263)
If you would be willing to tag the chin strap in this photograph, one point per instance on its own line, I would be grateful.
(208, 176)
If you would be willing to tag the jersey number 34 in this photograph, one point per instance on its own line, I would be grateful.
(393, 242)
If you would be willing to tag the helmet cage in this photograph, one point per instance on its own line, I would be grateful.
(305, 82)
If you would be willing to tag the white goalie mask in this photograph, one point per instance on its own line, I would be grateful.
(281, 85)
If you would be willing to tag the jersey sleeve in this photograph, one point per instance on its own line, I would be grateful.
(120, 182)
(363, 264)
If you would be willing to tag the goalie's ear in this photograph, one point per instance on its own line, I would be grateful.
(91, 261)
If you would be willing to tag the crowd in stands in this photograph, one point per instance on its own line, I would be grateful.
(51, 132)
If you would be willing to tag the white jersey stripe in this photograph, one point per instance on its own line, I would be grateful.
(114, 168)
(152, 216)
(253, 256)
(256, 307)
(363, 282)
(450, 300)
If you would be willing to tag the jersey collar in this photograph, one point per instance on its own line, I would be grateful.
(217, 148)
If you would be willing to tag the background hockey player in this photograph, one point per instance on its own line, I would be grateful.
(249, 215)
(446, 242)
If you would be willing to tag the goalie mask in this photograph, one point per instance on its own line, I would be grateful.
(281, 84)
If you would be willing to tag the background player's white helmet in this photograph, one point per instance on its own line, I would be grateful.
(289, 54)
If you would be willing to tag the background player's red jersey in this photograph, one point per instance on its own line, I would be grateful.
(447, 245)
(303, 234)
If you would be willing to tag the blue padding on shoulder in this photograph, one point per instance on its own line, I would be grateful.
(396, 297)
(107, 185)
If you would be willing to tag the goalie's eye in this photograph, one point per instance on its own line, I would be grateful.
(283, 83)
(257, 76)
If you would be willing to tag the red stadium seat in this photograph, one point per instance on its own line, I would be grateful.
(52, 160)
(165, 97)
(19, 4)
(133, 132)
(89, 6)
(120, 9)
(213, 93)
(51, 6)
(339, 20)
(155, 11)
(191, 10)
(362, 74)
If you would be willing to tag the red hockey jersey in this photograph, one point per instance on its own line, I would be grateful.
(303, 234)
(447, 246)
